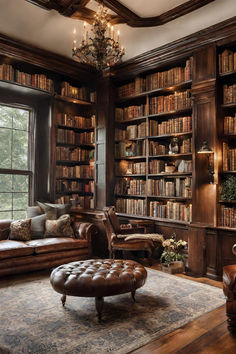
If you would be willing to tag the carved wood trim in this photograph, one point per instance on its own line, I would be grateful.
(27, 53)
(77, 9)
(222, 32)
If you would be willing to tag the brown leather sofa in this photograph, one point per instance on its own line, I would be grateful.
(19, 257)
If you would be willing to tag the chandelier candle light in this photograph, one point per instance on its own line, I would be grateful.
(103, 49)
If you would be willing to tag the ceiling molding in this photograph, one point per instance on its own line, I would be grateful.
(77, 9)
(219, 34)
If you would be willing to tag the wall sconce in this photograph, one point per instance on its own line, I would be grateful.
(205, 149)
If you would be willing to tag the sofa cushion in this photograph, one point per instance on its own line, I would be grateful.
(10, 248)
(56, 244)
(38, 226)
(59, 227)
(20, 230)
(48, 210)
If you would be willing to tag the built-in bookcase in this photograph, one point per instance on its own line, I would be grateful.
(227, 130)
(153, 145)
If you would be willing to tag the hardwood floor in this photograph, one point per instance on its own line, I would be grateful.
(207, 335)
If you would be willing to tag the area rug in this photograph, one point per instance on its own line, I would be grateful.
(32, 319)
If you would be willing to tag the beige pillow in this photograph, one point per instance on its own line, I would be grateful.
(153, 237)
(20, 230)
(59, 227)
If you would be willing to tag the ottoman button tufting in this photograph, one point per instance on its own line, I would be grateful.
(98, 278)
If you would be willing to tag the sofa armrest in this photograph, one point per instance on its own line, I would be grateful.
(4, 229)
(85, 231)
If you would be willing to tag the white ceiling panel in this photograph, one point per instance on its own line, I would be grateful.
(150, 8)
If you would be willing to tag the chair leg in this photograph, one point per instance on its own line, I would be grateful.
(150, 257)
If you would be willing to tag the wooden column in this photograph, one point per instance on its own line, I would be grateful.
(104, 168)
(204, 129)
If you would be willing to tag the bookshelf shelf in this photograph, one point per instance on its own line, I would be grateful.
(228, 105)
(131, 175)
(172, 156)
(169, 198)
(172, 221)
(164, 136)
(58, 195)
(72, 100)
(170, 175)
(72, 162)
(131, 158)
(132, 120)
(171, 113)
(227, 74)
(166, 89)
(139, 196)
(227, 201)
(16, 87)
(91, 146)
(74, 178)
(229, 172)
(74, 128)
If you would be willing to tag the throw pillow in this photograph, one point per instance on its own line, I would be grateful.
(20, 230)
(59, 209)
(59, 227)
(33, 211)
(38, 226)
(51, 212)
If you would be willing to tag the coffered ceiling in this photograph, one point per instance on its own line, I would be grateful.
(138, 13)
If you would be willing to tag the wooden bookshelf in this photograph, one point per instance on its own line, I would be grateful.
(130, 125)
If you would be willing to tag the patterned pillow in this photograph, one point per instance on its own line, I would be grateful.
(48, 210)
(38, 226)
(59, 227)
(20, 230)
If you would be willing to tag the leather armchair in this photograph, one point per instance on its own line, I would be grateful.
(132, 239)
(229, 288)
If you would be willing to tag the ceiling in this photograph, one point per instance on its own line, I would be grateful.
(50, 30)
(133, 13)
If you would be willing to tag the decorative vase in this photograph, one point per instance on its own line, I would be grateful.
(173, 267)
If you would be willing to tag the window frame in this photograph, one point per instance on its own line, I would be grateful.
(30, 172)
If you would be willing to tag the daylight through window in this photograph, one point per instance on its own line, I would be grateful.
(15, 172)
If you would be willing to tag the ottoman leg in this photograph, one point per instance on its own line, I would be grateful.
(133, 294)
(63, 300)
(99, 305)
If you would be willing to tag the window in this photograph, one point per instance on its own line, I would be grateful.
(15, 165)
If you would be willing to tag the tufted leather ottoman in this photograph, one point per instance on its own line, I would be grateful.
(98, 278)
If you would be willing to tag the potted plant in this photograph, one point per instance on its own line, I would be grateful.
(172, 259)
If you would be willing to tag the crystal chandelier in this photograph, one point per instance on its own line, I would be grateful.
(103, 48)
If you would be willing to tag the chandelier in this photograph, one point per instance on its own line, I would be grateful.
(103, 48)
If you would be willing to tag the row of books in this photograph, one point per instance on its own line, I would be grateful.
(174, 102)
(131, 206)
(130, 149)
(159, 166)
(129, 167)
(184, 147)
(171, 210)
(229, 158)
(80, 122)
(227, 61)
(130, 112)
(157, 80)
(130, 186)
(170, 126)
(80, 93)
(41, 81)
(230, 125)
(179, 187)
(228, 216)
(81, 202)
(71, 137)
(83, 171)
(77, 154)
(229, 94)
(131, 132)
(74, 186)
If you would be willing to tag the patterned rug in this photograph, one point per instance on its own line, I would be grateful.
(32, 319)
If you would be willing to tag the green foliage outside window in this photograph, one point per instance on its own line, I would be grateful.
(14, 146)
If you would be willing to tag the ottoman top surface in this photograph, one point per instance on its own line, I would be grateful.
(98, 277)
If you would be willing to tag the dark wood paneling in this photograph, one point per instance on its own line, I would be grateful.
(205, 64)
(197, 250)
(211, 254)
(177, 49)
